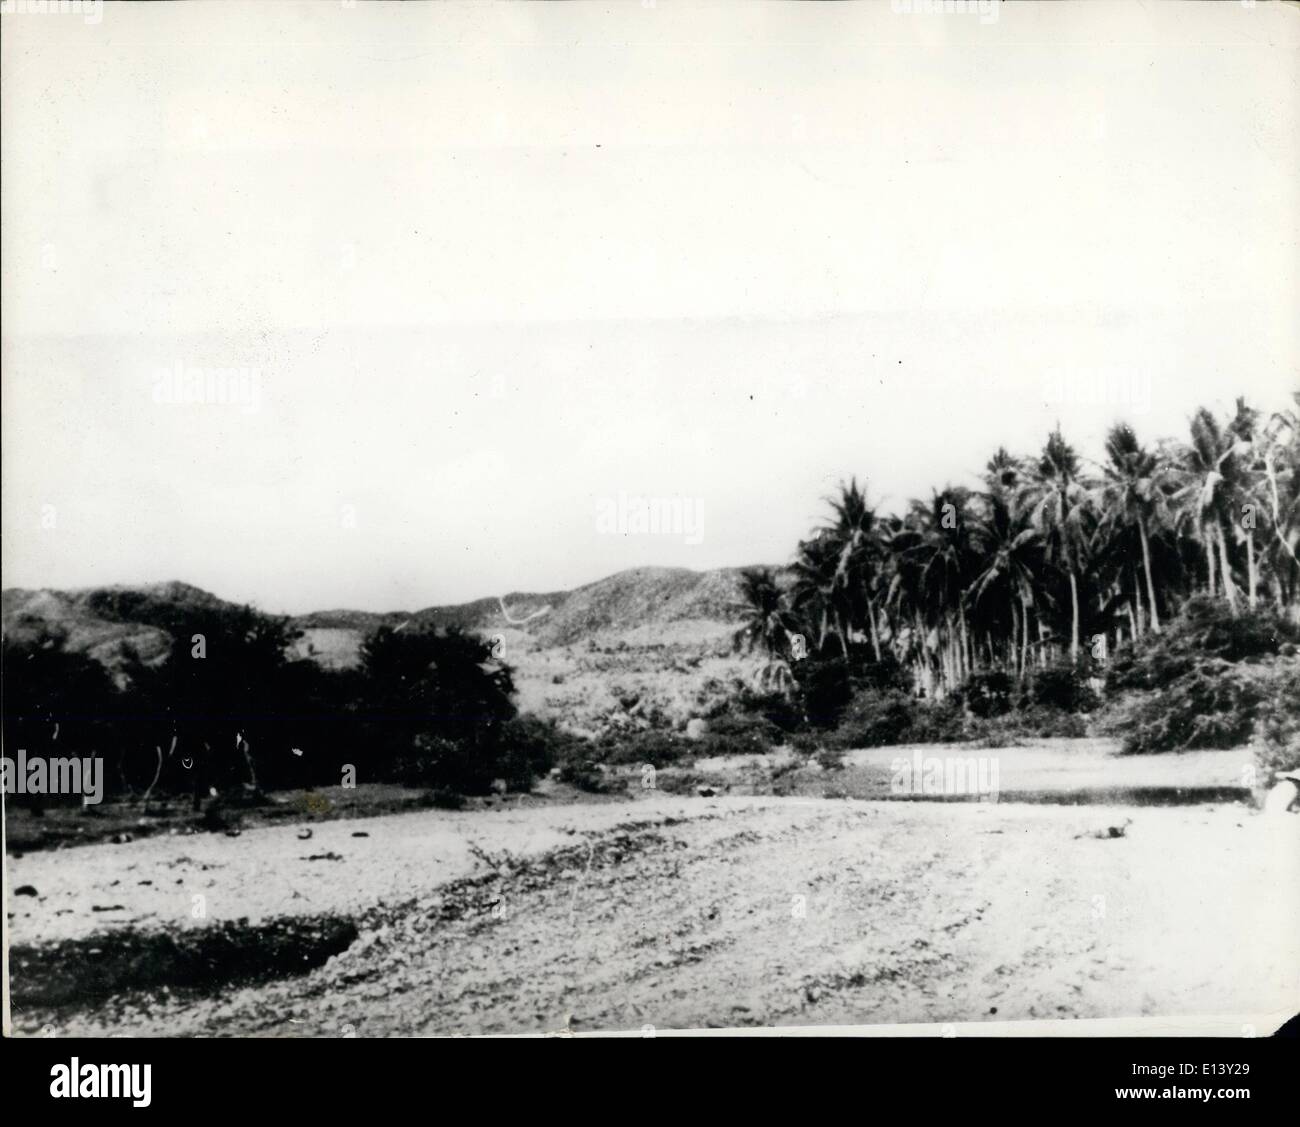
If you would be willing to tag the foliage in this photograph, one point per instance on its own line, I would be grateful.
(876, 718)
(1060, 688)
(990, 693)
(1206, 628)
(228, 707)
(1051, 560)
(1215, 704)
(1277, 736)
(654, 746)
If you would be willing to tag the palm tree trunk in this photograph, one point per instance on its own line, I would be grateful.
(964, 642)
(1138, 625)
(1015, 637)
(1250, 565)
(875, 633)
(1074, 616)
(1024, 645)
(839, 632)
(1146, 564)
(1209, 558)
(1229, 588)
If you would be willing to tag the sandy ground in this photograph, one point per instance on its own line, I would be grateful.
(695, 913)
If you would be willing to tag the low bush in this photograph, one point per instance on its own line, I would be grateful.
(526, 747)
(775, 713)
(1062, 688)
(651, 745)
(1215, 704)
(585, 775)
(1030, 723)
(830, 758)
(989, 694)
(1277, 732)
(875, 718)
(938, 722)
(739, 732)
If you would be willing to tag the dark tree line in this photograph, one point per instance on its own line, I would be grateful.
(230, 708)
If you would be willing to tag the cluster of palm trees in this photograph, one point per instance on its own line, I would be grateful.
(1053, 557)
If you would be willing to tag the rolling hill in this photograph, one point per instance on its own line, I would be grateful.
(649, 606)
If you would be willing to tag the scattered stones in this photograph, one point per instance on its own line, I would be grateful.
(25, 890)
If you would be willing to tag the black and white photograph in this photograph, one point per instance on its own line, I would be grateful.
(650, 519)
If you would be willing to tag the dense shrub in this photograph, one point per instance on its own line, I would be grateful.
(782, 711)
(876, 718)
(1211, 679)
(1064, 688)
(1277, 735)
(826, 688)
(1205, 628)
(527, 747)
(56, 703)
(938, 722)
(989, 694)
(828, 683)
(1215, 704)
(741, 733)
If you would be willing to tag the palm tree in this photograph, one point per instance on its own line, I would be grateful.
(855, 586)
(1241, 477)
(1060, 510)
(939, 561)
(1279, 487)
(767, 622)
(1204, 495)
(813, 592)
(1008, 549)
(1134, 494)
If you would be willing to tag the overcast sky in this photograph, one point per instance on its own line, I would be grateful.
(486, 269)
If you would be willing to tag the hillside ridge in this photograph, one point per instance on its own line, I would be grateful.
(98, 620)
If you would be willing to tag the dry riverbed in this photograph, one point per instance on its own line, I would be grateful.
(675, 912)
